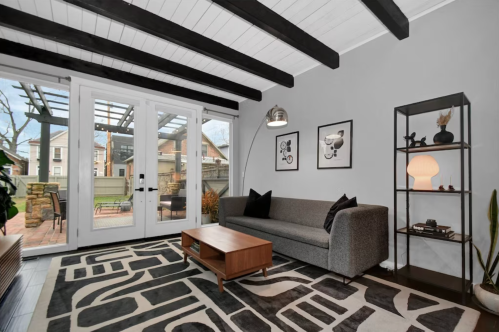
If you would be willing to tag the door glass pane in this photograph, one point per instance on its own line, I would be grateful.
(215, 161)
(38, 154)
(113, 164)
(172, 166)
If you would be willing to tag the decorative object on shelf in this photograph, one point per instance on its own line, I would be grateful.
(431, 222)
(276, 117)
(287, 152)
(444, 137)
(209, 207)
(451, 187)
(8, 209)
(441, 187)
(422, 169)
(488, 291)
(415, 143)
(334, 145)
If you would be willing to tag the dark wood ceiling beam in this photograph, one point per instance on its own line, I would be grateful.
(18, 20)
(390, 15)
(266, 19)
(63, 61)
(153, 24)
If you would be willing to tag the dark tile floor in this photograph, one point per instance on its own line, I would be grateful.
(18, 303)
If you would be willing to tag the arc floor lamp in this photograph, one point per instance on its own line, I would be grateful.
(276, 117)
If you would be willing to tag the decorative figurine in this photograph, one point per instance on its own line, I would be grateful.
(415, 143)
(431, 222)
(451, 187)
(441, 187)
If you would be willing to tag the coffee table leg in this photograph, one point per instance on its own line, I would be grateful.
(185, 257)
(220, 284)
(264, 270)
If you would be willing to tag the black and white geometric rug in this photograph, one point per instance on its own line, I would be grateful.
(147, 287)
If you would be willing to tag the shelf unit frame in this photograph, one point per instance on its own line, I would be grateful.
(413, 272)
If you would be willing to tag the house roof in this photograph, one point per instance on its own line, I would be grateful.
(13, 154)
(56, 134)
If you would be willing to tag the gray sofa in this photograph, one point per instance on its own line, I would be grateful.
(358, 239)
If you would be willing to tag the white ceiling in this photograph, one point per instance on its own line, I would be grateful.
(340, 24)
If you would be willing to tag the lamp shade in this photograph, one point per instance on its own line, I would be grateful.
(277, 117)
(423, 168)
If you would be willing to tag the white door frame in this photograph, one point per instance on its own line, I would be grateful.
(72, 208)
(232, 168)
(86, 218)
(153, 227)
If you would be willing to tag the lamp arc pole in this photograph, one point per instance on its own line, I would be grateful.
(276, 117)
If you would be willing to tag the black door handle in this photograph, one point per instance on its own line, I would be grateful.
(140, 189)
(152, 189)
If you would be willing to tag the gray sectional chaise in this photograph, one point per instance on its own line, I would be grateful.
(358, 239)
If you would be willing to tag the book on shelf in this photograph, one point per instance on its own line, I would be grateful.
(447, 235)
(195, 246)
(436, 229)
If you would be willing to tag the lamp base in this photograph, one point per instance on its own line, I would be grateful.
(422, 183)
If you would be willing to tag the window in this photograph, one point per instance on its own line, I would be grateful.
(95, 171)
(57, 170)
(96, 155)
(204, 150)
(122, 172)
(126, 152)
(8, 169)
(58, 153)
(38, 152)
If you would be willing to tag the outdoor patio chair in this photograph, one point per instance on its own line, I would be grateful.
(173, 203)
(59, 209)
(116, 204)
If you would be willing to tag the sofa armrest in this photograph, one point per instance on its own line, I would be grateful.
(358, 239)
(230, 207)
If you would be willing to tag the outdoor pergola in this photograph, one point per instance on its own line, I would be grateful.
(124, 115)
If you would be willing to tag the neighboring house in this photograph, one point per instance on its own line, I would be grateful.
(225, 149)
(121, 150)
(166, 155)
(58, 161)
(20, 166)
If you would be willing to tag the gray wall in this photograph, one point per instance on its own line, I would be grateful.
(452, 49)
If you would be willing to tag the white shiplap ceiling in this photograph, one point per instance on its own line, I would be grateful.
(340, 24)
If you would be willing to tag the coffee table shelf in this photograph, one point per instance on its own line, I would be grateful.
(228, 253)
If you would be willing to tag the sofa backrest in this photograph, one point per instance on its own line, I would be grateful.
(300, 211)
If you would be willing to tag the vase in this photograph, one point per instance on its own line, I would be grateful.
(486, 298)
(205, 219)
(443, 137)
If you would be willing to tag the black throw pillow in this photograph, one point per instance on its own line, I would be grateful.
(341, 204)
(258, 206)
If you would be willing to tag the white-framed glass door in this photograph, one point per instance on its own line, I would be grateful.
(112, 137)
(171, 169)
(138, 166)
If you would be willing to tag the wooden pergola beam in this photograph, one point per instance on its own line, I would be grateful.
(125, 115)
(32, 97)
(153, 24)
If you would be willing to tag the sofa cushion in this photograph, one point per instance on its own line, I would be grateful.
(310, 235)
(342, 204)
(258, 206)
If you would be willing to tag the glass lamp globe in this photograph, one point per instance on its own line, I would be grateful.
(422, 169)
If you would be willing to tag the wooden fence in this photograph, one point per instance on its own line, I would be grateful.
(103, 185)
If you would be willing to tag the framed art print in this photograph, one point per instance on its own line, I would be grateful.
(334, 145)
(286, 152)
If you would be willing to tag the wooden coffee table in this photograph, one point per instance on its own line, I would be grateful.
(228, 253)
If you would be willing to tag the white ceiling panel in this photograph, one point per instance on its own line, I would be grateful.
(340, 24)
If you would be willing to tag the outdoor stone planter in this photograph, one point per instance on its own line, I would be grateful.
(174, 187)
(38, 203)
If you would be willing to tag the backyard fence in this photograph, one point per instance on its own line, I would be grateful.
(103, 185)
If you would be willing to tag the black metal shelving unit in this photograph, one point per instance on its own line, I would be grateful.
(445, 281)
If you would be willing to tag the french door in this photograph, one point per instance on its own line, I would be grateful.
(138, 166)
